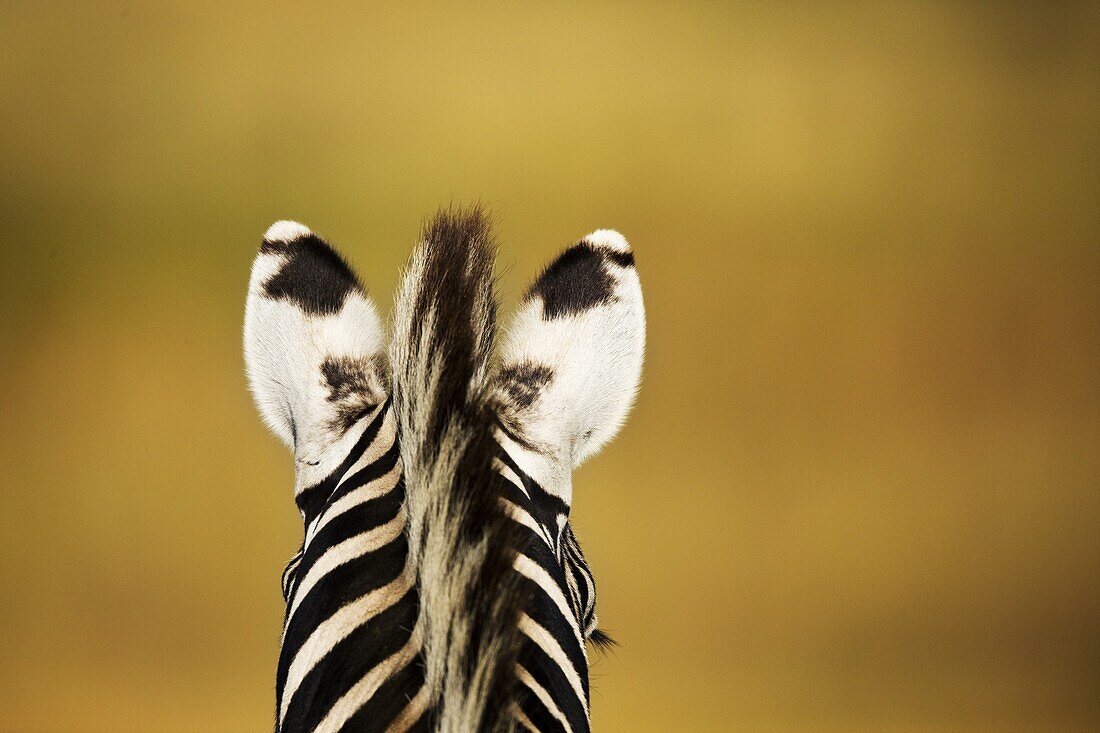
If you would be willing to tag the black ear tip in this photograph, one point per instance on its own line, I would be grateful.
(583, 276)
(310, 273)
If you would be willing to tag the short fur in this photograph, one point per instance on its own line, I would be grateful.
(581, 329)
(308, 318)
(475, 458)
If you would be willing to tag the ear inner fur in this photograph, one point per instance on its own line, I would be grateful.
(313, 345)
(572, 360)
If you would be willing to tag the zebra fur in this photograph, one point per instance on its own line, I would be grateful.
(461, 541)
(440, 585)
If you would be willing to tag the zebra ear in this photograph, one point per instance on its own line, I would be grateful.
(573, 358)
(313, 342)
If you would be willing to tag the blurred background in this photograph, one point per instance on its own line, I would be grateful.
(860, 490)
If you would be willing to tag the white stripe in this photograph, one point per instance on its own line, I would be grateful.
(382, 442)
(550, 646)
(539, 467)
(520, 514)
(345, 552)
(543, 696)
(570, 581)
(503, 469)
(288, 573)
(577, 566)
(521, 717)
(307, 475)
(363, 690)
(380, 486)
(336, 627)
(531, 569)
(590, 590)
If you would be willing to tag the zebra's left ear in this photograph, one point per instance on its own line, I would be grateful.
(313, 344)
(572, 361)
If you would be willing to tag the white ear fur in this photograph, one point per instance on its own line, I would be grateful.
(572, 361)
(313, 342)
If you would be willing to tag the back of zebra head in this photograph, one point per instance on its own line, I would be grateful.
(439, 585)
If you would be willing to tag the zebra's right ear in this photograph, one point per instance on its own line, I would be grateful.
(313, 342)
(572, 360)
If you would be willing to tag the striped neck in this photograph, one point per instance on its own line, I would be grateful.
(351, 649)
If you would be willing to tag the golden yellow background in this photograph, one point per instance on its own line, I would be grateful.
(860, 490)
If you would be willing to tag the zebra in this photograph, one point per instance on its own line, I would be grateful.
(439, 584)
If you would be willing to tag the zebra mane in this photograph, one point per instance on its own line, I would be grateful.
(460, 539)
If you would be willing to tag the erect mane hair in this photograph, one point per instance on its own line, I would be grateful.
(462, 542)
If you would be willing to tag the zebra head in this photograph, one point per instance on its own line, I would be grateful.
(439, 585)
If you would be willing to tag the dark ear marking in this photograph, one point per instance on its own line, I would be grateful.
(523, 382)
(622, 259)
(351, 389)
(579, 279)
(313, 275)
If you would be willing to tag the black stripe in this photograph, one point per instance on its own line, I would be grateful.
(534, 489)
(577, 568)
(352, 658)
(311, 500)
(542, 668)
(364, 517)
(343, 585)
(289, 574)
(537, 713)
(374, 470)
(545, 613)
(543, 507)
(390, 699)
(513, 493)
